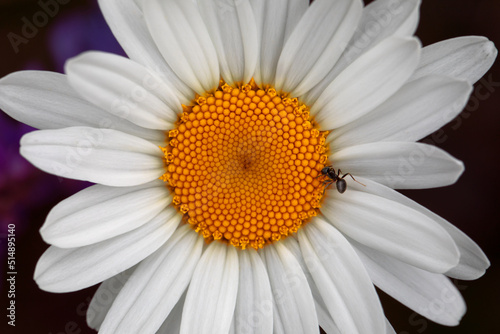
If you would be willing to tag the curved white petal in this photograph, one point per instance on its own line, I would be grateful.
(97, 155)
(211, 297)
(104, 297)
(53, 104)
(275, 22)
(232, 329)
(156, 286)
(183, 40)
(172, 325)
(388, 328)
(254, 305)
(71, 269)
(463, 58)
(380, 19)
(308, 55)
(124, 88)
(473, 262)
(348, 293)
(400, 165)
(278, 323)
(392, 228)
(126, 21)
(100, 212)
(324, 318)
(431, 295)
(232, 28)
(367, 82)
(419, 108)
(294, 303)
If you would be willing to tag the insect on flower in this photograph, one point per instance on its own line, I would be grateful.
(210, 184)
(335, 177)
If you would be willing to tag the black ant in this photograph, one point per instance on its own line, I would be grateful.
(335, 177)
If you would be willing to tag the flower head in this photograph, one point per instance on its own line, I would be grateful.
(245, 157)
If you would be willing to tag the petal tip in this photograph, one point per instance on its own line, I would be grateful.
(490, 49)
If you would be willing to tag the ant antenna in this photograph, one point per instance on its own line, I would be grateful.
(352, 177)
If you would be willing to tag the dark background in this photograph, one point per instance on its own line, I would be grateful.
(27, 194)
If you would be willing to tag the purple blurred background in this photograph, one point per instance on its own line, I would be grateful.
(27, 194)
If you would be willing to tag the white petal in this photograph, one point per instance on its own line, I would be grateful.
(348, 293)
(278, 325)
(473, 262)
(392, 228)
(53, 104)
(294, 303)
(100, 212)
(172, 325)
(419, 108)
(97, 155)
(71, 269)
(463, 58)
(124, 88)
(232, 329)
(388, 327)
(275, 22)
(211, 297)
(231, 25)
(400, 165)
(104, 297)
(324, 318)
(254, 305)
(126, 21)
(156, 286)
(431, 295)
(367, 82)
(308, 55)
(183, 40)
(380, 19)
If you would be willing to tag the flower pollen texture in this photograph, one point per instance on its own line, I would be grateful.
(244, 165)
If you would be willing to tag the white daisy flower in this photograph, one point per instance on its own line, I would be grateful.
(221, 205)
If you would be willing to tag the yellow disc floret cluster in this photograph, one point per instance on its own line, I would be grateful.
(243, 164)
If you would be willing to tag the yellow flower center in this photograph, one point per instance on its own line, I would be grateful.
(244, 164)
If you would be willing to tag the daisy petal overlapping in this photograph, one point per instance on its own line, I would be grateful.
(378, 92)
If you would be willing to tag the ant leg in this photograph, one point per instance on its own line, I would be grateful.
(320, 175)
(352, 177)
(324, 188)
(327, 181)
